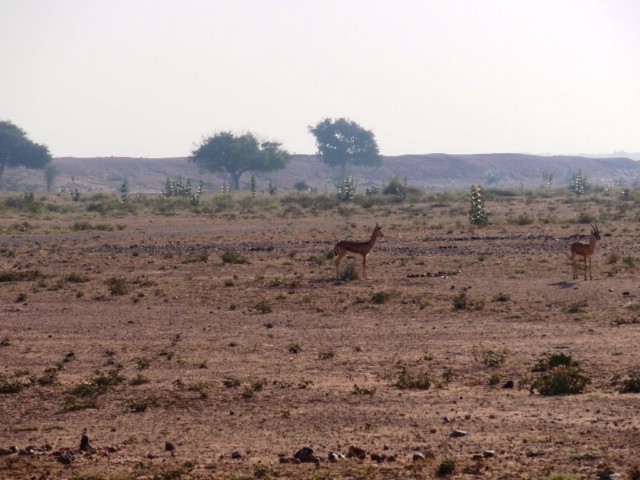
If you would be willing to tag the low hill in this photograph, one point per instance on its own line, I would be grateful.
(435, 171)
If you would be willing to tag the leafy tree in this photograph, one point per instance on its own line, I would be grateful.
(343, 141)
(16, 149)
(237, 154)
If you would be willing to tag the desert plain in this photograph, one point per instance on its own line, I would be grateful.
(216, 341)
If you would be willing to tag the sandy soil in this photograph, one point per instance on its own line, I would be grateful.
(142, 335)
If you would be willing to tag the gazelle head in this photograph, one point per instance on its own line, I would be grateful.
(595, 232)
(377, 231)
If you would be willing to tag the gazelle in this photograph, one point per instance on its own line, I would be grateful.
(584, 250)
(359, 248)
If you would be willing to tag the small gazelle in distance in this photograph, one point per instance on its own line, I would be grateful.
(586, 251)
(359, 248)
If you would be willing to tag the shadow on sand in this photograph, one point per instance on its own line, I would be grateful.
(563, 284)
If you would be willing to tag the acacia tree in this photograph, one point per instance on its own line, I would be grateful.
(238, 154)
(17, 150)
(343, 141)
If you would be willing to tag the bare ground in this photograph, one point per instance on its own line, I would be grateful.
(263, 358)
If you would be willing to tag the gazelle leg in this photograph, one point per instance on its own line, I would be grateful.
(364, 266)
(585, 268)
(590, 276)
(338, 259)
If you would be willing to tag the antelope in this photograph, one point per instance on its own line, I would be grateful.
(584, 250)
(359, 248)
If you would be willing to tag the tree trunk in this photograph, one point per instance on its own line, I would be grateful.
(2, 165)
(235, 179)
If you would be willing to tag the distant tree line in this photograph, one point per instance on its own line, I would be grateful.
(339, 142)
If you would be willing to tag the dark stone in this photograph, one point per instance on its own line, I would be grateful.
(508, 384)
(84, 444)
(236, 455)
(169, 447)
(356, 452)
(305, 455)
(65, 458)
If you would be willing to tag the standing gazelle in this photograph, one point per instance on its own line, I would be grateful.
(584, 250)
(359, 248)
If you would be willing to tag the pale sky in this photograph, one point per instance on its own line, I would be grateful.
(151, 78)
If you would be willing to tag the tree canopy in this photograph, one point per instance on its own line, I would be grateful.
(343, 141)
(17, 150)
(237, 154)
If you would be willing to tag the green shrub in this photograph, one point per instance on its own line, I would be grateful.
(263, 307)
(382, 297)
(231, 382)
(460, 301)
(139, 406)
(24, 276)
(230, 256)
(447, 467)
(550, 361)
(117, 285)
(75, 278)
(412, 381)
(7, 386)
(563, 380)
(72, 404)
(111, 378)
(49, 377)
(631, 385)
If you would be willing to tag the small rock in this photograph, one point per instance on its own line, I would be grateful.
(236, 455)
(459, 433)
(508, 384)
(151, 455)
(532, 454)
(626, 294)
(305, 455)
(65, 458)
(477, 456)
(391, 458)
(335, 456)
(489, 453)
(169, 447)
(376, 457)
(285, 460)
(5, 451)
(356, 452)
(418, 457)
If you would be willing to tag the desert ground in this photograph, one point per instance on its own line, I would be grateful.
(216, 341)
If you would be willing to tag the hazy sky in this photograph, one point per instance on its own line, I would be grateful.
(153, 77)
